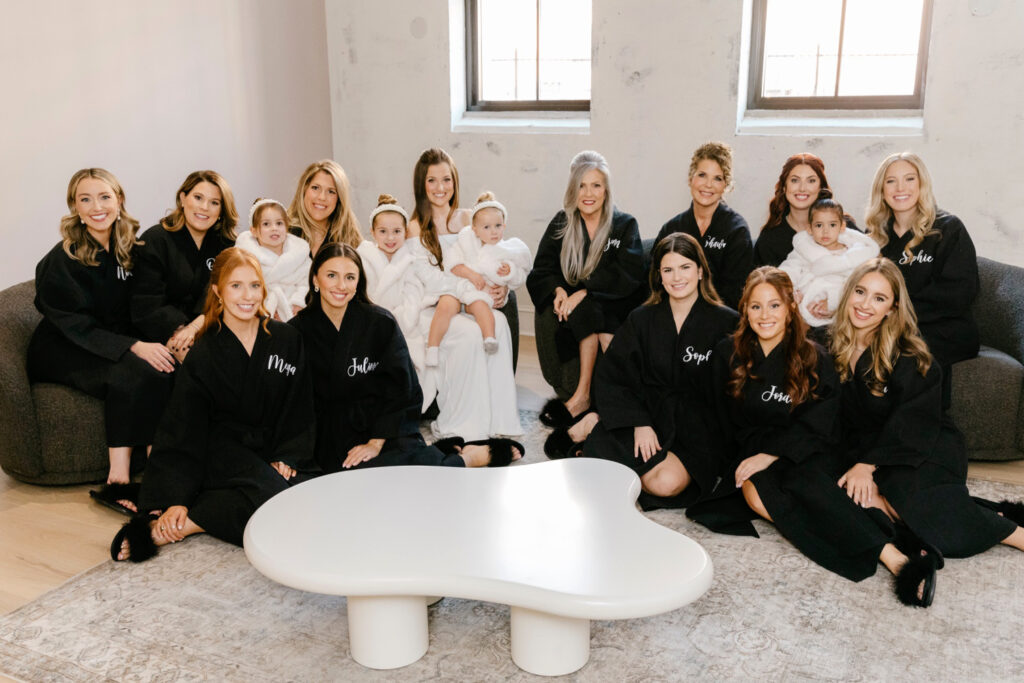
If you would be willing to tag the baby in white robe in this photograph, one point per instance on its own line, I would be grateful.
(283, 257)
(823, 258)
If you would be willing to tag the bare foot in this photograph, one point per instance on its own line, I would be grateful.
(577, 404)
(474, 455)
(581, 430)
(124, 502)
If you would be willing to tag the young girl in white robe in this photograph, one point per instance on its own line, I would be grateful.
(823, 258)
(284, 257)
(475, 390)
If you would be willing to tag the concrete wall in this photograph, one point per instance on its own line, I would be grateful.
(152, 91)
(665, 79)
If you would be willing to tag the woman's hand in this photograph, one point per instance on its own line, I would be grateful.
(155, 354)
(170, 524)
(752, 465)
(504, 269)
(363, 452)
(560, 298)
(859, 482)
(282, 469)
(645, 442)
(819, 309)
(499, 295)
(571, 303)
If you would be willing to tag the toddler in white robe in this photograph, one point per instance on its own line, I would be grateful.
(283, 257)
(482, 256)
(823, 258)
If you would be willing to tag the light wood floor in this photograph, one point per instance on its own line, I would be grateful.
(51, 533)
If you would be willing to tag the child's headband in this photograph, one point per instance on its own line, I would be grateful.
(490, 204)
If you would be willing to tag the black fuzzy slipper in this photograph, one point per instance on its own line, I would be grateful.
(108, 495)
(501, 450)
(558, 444)
(140, 540)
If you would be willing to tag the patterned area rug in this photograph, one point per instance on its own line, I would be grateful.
(199, 612)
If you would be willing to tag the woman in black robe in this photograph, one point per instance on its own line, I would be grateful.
(169, 287)
(934, 253)
(588, 274)
(901, 453)
(367, 397)
(237, 429)
(722, 233)
(85, 339)
(654, 388)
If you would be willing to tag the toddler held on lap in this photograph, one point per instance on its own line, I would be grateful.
(283, 257)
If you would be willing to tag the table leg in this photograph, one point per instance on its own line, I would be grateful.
(547, 644)
(386, 632)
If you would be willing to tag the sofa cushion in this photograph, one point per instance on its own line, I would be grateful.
(986, 403)
(999, 308)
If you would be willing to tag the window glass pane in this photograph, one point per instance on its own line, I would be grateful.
(880, 56)
(565, 49)
(508, 49)
(801, 45)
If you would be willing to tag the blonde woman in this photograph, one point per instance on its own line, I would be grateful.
(723, 234)
(934, 253)
(174, 263)
(588, 274)
(321, 210)
(85, 339)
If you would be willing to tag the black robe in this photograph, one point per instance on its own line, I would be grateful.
(920, 455)
(942, 279)
(614, 289)
(231, 414)
(84, 341)
(365, 387)
(656, 377)
(726, 245)
(775, 243)
(171, 275)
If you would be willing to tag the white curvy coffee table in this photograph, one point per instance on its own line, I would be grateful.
(560, 542)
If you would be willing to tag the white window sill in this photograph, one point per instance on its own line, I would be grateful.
(522, 122)
(828, 123)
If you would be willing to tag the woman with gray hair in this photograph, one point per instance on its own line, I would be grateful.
(588, 274)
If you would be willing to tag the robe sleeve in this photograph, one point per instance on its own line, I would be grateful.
(151, 314)
(295, 434)
(909, 435)
(954, 283)
(546, 275)
(619, 274)
(618, 386)
(400, 387)
(68, 306)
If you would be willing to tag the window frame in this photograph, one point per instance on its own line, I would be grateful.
(755, 100)
(474, 75)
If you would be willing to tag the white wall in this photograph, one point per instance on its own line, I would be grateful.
(665, 79)
(151, 91)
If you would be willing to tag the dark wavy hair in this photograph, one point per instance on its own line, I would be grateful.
(325, 253)
(686, 246)
(801, 356)
(778, 208)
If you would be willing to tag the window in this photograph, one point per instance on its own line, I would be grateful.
(528, 55)
(838, 54)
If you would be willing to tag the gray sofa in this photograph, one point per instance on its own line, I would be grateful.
(988, 391)
(52, 434)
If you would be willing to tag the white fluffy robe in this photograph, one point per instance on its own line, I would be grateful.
(821, 274)
(476, 392)
(485, 259)
(287, 275)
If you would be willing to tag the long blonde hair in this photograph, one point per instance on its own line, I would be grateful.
(880, 213)
(342, 225)
(574, 268)
(75, 238)
(897, 335)
(228, 218)
(223, 266)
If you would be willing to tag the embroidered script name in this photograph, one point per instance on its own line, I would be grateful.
(363, 367)
(712, 243)
(919, 257)
(209, 264)
(774, 395)
(692, 355)
(612, 243)
(275, 362)
(123, 274)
